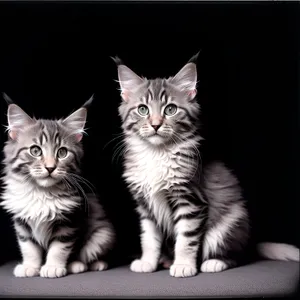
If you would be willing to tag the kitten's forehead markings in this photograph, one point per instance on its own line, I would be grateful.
(144, 100)
(43, 138)
(150, 96)
(57, 139)
(163, 97)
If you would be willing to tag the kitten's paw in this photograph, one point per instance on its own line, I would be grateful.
(213, 266)
(98, 265)
(183, 270)
(26, 271)
(53, 271)
(76, 267)
(141, 266)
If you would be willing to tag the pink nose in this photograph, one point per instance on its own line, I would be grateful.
(156, 127)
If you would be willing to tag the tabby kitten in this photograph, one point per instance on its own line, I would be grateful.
(52, 215)
(199, 205)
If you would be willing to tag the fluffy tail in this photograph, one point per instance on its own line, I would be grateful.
(278, 251)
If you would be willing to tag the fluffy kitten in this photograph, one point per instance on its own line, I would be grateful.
(51, 213)
(199, 205)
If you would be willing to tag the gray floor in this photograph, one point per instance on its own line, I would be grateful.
(263, 278)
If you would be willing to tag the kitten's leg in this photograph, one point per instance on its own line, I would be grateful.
(58, 254)
(187, 224)
(31, 253)
(223, 243)
(101, 238)
(151, 241)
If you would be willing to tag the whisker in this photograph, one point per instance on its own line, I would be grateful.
(120, 135)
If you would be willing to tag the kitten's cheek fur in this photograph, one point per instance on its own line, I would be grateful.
(177, 270)
(26, 271)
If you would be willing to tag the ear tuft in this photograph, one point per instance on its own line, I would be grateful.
(194, 58)
(89, 102)
(117, 60)
(7, 99)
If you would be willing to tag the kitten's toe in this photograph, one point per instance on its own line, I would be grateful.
(213, 266)
(26, 271)
(53, 271)
(98, 265)
(76, 267)
(183, 270)
(141, 266)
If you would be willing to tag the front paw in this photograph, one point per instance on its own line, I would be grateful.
(49, 271)
(141, 266)
(26, 271)
(183, 270)
(213, 266)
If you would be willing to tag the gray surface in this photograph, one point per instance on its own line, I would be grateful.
(261, 278)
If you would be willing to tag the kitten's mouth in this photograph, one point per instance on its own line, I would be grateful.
(154, 135)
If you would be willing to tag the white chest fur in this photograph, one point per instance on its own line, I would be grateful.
(39, 208)
(152, 172)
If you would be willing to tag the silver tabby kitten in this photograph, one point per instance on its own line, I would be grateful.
(199, 206)
(51, 214)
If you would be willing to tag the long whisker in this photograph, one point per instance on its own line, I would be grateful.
(119, 152)
(77, 186)
(120, 135)
(83, 180)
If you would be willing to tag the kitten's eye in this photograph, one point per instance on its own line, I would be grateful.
(143, 110)
(35, 151)
(62, 152)
(170, 110)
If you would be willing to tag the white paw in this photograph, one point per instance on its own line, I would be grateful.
(98, 265)
(76, 267)
(141, 266)
(213, 266)
(53, 271)
(183, 270)
(26, 271)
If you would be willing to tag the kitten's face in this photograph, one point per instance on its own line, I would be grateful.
(159, 111)
(44, 151)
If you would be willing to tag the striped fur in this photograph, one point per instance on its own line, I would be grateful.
(43, 193)
(199, 206)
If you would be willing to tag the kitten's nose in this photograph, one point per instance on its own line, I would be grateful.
(156, 127)
(50, 169)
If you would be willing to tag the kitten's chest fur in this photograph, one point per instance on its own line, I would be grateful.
(151, 173)
(38, 208)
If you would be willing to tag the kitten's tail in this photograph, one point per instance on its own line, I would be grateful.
(278, 251)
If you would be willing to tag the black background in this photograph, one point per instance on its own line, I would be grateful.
(54, 56)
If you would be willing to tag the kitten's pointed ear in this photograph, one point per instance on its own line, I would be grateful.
(186, 78)
(17, 120)
(76, 122)
(128, 80)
